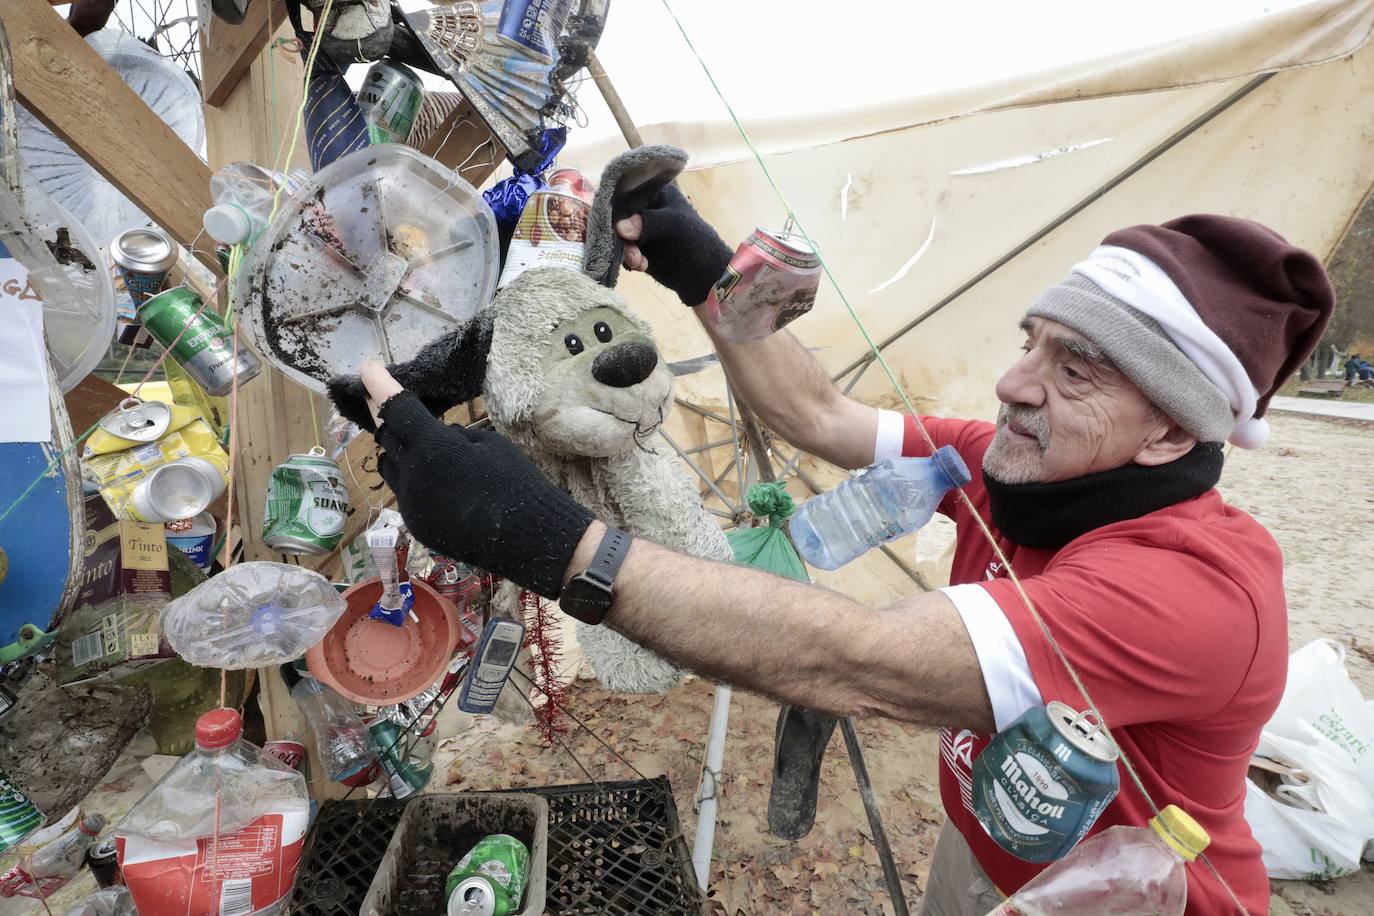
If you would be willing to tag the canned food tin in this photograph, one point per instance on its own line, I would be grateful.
(202, 346)
(770, 282)
(18, 816)
(104, 863)
(138, 421)
(405, 776)
(390, 99)
(1041, 783)
(307, 505)
(144, 257)
(490, 880)
(552, 230)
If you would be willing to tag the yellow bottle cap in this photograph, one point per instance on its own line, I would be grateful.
(1180, 831)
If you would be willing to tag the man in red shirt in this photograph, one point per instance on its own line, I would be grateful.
(1097, 481)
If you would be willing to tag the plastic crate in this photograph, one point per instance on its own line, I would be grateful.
(341, 855)
(616, 849)
(436, 830)
(594, 864)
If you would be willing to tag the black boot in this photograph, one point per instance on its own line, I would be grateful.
(799, 745)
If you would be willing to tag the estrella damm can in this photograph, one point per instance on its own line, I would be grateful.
(490, 880)
(1042, 782)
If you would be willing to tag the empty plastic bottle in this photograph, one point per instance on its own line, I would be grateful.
(243, 195)
(890, 499)
(1122, 871)
(342, 741)
(54, 863)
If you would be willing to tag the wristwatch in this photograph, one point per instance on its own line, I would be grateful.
(588, 595)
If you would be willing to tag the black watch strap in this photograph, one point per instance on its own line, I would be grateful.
(609, 555)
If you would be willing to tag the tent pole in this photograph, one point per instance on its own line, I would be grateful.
(1169, 143)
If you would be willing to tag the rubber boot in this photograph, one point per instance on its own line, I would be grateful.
(799, 746)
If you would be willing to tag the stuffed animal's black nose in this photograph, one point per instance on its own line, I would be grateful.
(624, 364)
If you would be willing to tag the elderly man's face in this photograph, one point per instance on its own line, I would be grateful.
(1067, 411)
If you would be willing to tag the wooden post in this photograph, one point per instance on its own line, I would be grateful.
(71, 89)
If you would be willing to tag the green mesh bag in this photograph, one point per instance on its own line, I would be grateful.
(767, 547)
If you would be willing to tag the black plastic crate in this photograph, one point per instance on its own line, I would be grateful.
(615, 849)
(341, 855)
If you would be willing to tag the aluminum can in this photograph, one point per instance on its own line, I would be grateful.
(176, 490)
(138, 421)
(390, 99)
(307, 505)
(406, 773)
(289, 751)
(18, 816)
(7, 701)
(205, 349)
(144, 257)
(770, 282)
(1041, 783)
(104, 863)
(490, 880)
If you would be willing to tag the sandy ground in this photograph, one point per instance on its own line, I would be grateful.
(1311, 487)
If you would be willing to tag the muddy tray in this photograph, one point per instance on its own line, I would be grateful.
(435, 832)
(376, 255)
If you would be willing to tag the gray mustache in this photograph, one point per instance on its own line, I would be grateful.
(1031, 420)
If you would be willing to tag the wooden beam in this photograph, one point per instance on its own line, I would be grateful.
(229, 50)
(72, 90)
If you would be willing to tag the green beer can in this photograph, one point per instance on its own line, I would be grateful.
(390, 99)
(406, 774)
(490, 880)
(18, 816)
(202, 345)
(307, 505)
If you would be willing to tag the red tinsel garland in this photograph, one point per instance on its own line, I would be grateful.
(540, 635)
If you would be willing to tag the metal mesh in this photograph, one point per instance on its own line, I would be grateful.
(614, 850)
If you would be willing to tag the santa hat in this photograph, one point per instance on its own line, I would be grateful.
(1208, 315)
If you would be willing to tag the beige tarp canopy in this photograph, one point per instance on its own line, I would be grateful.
(1271, 119)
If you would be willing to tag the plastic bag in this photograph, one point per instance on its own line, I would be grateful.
(108, 901)
(252, 615)
(1319, 818)
(767, 547)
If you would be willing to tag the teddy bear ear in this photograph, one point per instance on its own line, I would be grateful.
(629, 183)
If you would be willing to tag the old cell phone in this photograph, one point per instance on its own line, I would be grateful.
(491, 665)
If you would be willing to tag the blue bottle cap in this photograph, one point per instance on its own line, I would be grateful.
(952, 466)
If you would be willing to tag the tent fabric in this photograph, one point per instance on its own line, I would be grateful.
(909, 202)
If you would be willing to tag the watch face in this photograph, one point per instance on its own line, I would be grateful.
(585, 600)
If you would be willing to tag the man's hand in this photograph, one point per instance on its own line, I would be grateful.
(678, 248)
(471, 494)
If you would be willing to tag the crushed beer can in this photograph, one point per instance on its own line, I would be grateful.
(770, 282)
(1042, 782)
(196, 338)
(307, 505)
(390, 99)
(406, 772)
(491, 879)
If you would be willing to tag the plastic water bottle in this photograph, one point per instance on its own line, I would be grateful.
(1122, 871)
(243, 195)
(344, 745)
(890, 499)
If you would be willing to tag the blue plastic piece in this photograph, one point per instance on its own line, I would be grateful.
(397, 617)
(36, 540)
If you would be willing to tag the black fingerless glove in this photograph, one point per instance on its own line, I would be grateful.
(447, 372)
(685, 254)
(471, 495)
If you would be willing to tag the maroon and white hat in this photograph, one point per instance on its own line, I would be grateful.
(1208, 315)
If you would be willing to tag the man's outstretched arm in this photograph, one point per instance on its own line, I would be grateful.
(798, 643)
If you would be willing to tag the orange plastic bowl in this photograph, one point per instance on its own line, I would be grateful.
(379, 664)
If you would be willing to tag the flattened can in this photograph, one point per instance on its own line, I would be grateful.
(490, 880)
(203, 348)
(307, 505)
(1042, 782)
(770, 282)
(18, 816)
(390, 99)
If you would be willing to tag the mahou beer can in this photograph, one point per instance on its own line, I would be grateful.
(197, 340)
(307, 505)
(1040, 784)
(770, 282)
(390, 99)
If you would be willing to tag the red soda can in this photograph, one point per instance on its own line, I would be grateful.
(289, 751)
(771, 281)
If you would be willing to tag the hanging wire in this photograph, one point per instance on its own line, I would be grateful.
(925, 434)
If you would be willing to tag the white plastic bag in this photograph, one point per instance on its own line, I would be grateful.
(1320, 819)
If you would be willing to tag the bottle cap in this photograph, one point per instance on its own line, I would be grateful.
(1183, 834)
(92, 824)
(227, 224)
(218, 728)
(952, 466)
